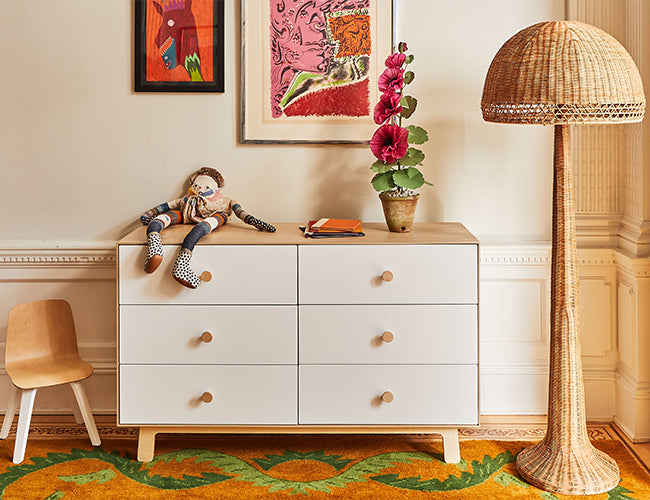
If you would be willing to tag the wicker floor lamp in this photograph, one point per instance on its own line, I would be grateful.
(561, 73)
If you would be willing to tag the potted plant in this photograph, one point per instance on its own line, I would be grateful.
(396, 173)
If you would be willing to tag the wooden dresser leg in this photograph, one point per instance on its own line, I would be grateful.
(146, 443)
(450, 445)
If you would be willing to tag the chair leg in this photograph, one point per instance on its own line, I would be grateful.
(11, 412)
(24, 418)
(78, 417)
(87, 415)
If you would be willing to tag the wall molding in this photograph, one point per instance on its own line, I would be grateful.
(57, 257)
(515, 254)
(514, 368)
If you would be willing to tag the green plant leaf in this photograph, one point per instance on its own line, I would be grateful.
(410, 178)
(409, 76)
(417, 135)
(412, 158)
(380, 167)
(383, 181)
(409, 59)
(409, 104)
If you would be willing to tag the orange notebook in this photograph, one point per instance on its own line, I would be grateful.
(343, 225)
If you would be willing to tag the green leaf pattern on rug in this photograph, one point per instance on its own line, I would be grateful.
(102, 476)
(236, 469)
(289, 456)
(481, 472)
(505, 479)
(618, 493)
(56, 495)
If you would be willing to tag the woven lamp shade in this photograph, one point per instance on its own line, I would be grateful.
(560, 73)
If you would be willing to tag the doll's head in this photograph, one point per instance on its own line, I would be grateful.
(206, 181)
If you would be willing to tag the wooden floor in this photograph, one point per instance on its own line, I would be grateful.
(509, 428)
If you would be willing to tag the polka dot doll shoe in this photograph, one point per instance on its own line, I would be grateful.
(182, 272)
(154, 252)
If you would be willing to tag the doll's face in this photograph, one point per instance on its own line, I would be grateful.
(204, 185)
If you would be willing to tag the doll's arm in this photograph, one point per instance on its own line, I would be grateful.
(146, 217)
(249, 219)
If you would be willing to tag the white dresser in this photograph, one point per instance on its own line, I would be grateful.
(377, 334)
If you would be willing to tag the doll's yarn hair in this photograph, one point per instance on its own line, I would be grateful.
(208, 171)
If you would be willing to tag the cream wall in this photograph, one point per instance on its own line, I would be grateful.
(90, 155)
(82, 156)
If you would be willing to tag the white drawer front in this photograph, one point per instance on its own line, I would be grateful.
(242, 274)
(422, 334)
(422, 274)
(240, 334)
(151, 395)
(423, 395)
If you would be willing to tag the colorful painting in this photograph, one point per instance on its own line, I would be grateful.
(179, 45)
(320, 52)
(312, 61)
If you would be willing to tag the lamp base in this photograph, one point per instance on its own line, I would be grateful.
(583, 470)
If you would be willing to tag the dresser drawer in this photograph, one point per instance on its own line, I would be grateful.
(239, 335)
(421, 274)
(423, 395)
(242, 274)
(421, 334)
(152, 395)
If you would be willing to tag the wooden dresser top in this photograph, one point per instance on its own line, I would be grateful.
(288, 233)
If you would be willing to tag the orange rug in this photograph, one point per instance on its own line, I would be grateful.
(246, 467)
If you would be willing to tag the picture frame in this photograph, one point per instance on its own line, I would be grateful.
(179, 46)
(288, 96)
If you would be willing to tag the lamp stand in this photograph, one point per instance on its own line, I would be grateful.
(565, 461)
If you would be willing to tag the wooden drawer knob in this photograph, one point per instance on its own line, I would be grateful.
(387, 276)
(206, 337)
(206, 397)
(206, 276)
(387, 337)
(387, 397)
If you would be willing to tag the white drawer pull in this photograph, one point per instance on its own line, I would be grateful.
(387, 397)
(206, 337)
(387, 337)
(206, 276)
(387, 276)
(206, 397)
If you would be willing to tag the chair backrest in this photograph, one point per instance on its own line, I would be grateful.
(41, 329)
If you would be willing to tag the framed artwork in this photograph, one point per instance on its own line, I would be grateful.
(310, 69)
(179, 46)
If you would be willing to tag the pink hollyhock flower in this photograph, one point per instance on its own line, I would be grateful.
(387, 106)
(392, 79)
(389, 143)
(395, 60)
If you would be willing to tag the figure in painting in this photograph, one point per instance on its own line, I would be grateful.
(319, 57)
(176, 39)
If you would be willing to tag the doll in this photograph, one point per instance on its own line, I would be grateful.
(204, 205)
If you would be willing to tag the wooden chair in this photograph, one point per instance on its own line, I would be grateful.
(41, 351)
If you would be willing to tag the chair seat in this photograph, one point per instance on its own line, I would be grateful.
(46, 372)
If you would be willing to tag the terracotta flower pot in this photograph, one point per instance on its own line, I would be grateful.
(399, 211)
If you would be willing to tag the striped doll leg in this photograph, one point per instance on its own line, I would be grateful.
(154, 244)
(182, 271)
(253, 221)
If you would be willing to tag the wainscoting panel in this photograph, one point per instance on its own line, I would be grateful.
(514, 326)
(514, 322)
(86, 279)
